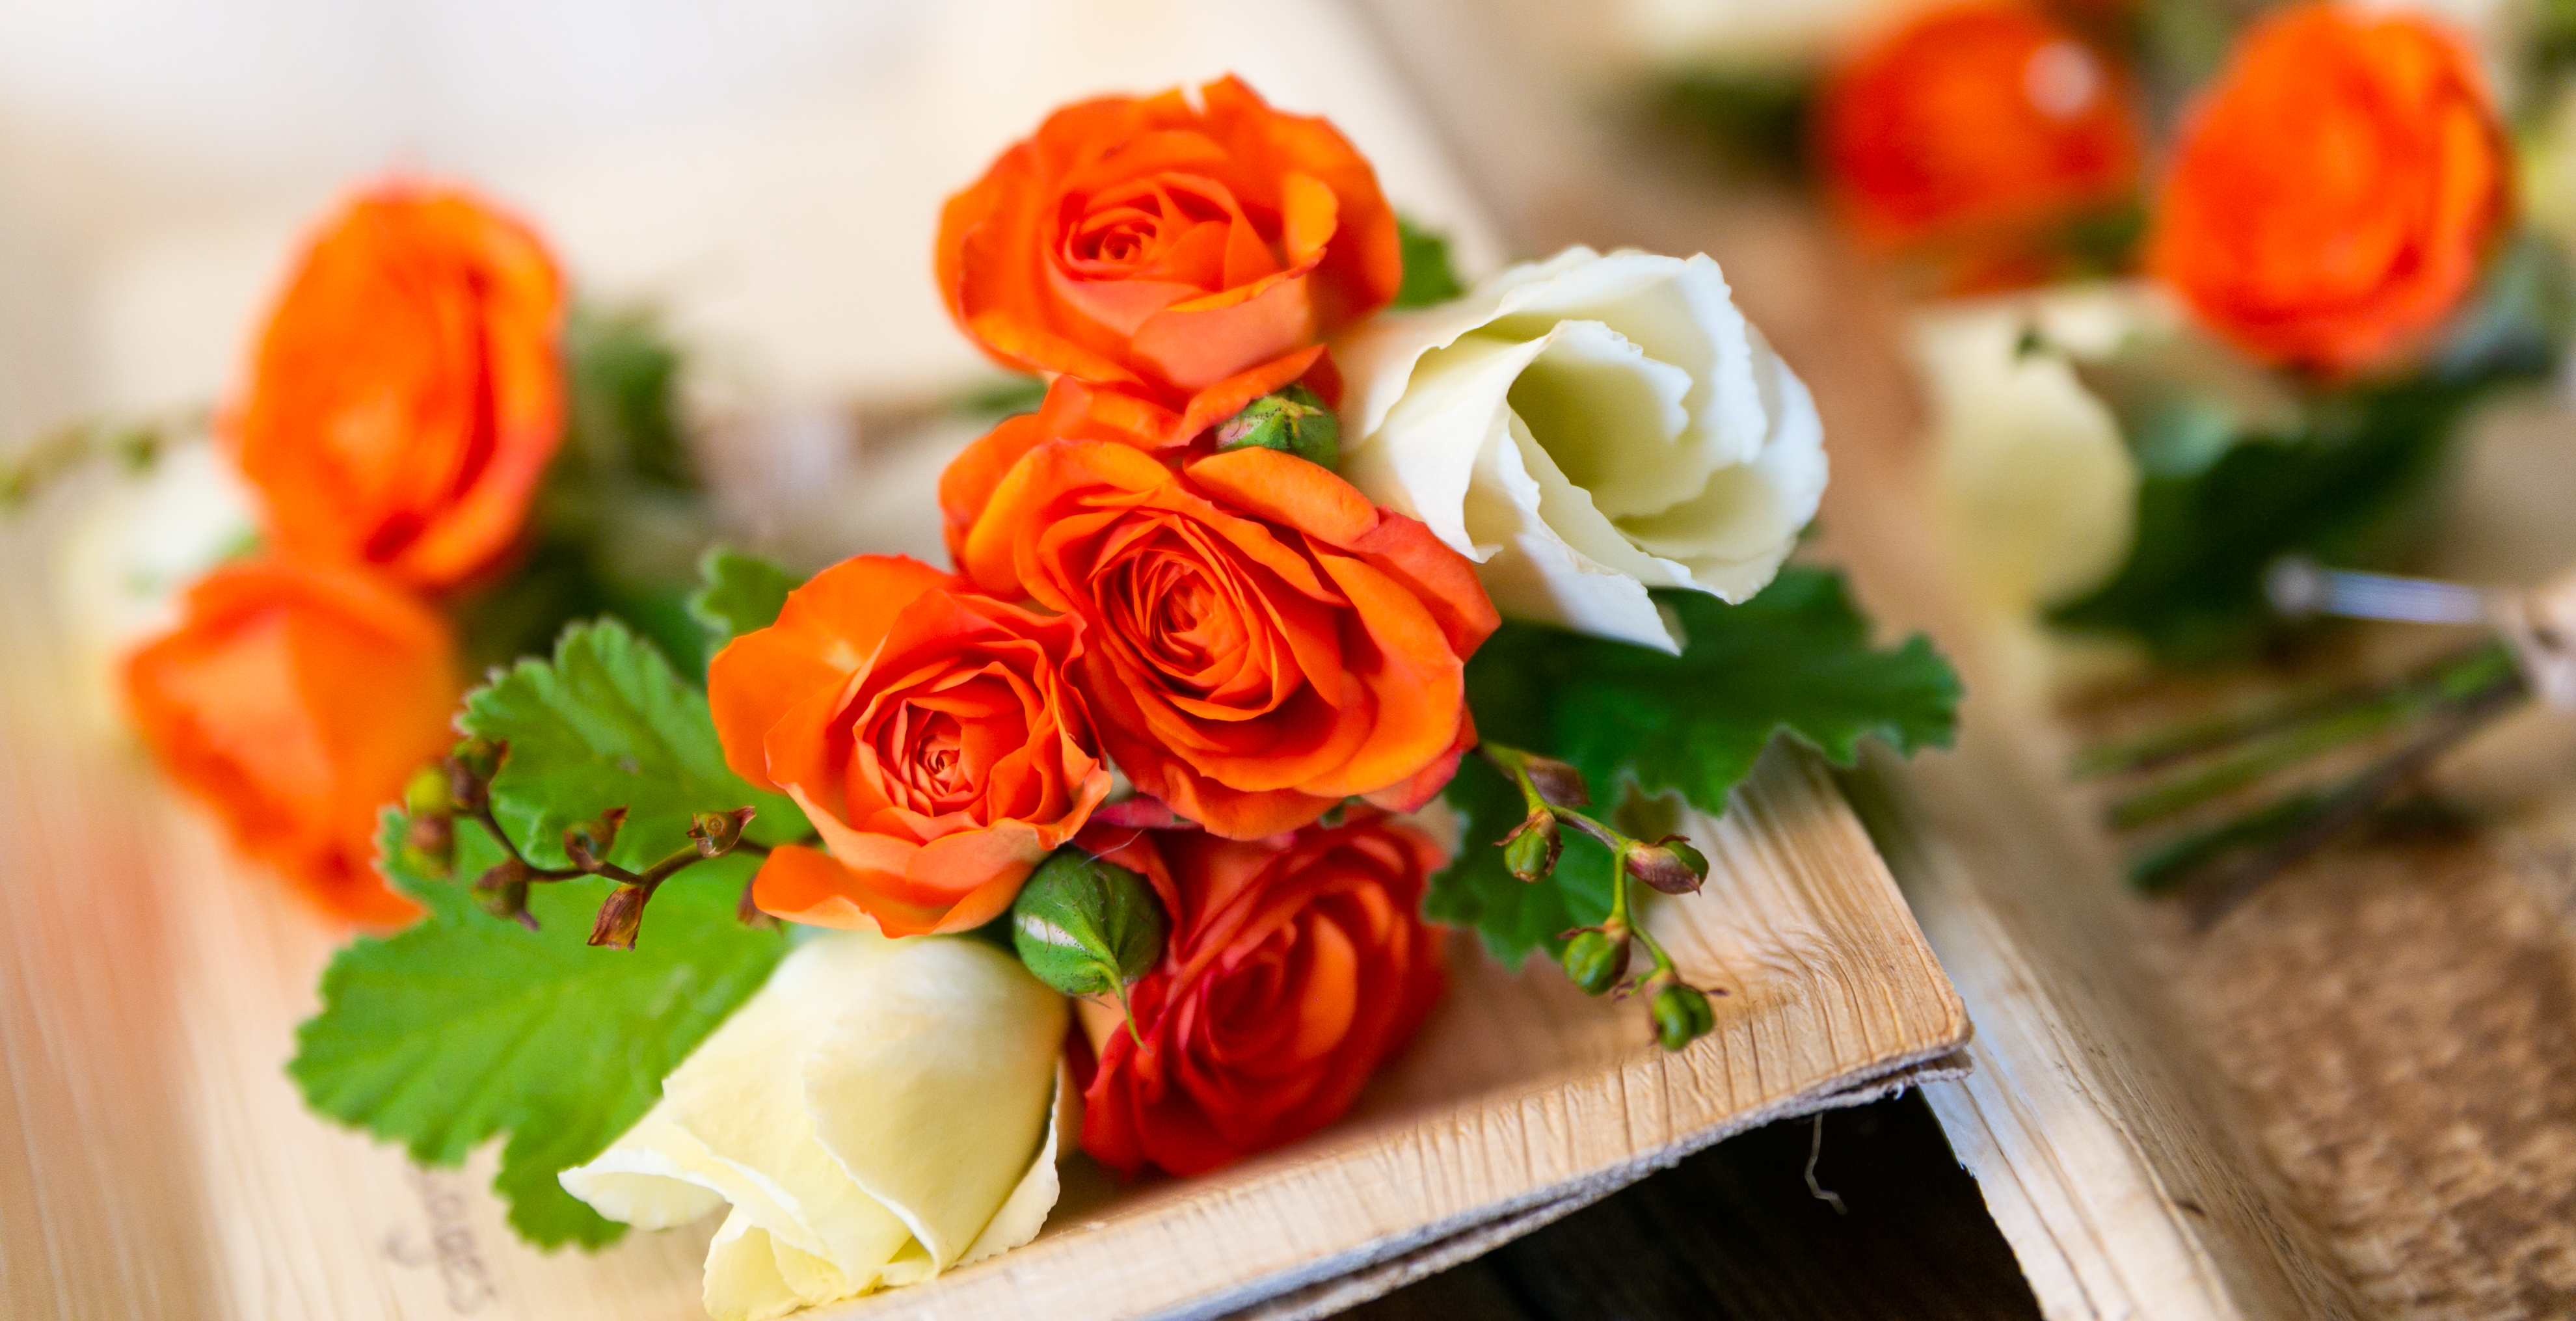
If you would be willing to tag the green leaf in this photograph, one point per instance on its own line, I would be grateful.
(623, 414)
(607, 723)
(2353, 488)
(1749, 120)
(1428, 276)
(1795, 661)
(466, 1026)
(742, 593)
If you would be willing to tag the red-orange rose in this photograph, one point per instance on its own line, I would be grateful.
(294, 700)
(2335, 189)
(1262, 642)
(930, 734)
(1978, 120)
(1296, 966)
(1171, 249)
(407, 395)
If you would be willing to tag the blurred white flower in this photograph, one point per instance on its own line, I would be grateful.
(1586, 428)
(2031, 481)
(882, 1110)
(128, 557)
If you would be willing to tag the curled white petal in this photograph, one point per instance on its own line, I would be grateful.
(1586, 428)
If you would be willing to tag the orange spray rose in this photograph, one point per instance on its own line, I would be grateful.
(294, 700)
(1295, 967)
(407, 395)
(1171, 249)
(1974, 120)
(933, 736)
(1262, 640)
(2334, 190)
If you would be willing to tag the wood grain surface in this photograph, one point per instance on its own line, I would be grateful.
(158, 1164)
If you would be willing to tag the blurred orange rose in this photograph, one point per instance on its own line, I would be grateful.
(931, 735)
(1974, 120)
(1169, 248)
(1262, 640)
(1295, 968)
(407, 394)
(2334, 190)
(294, 700)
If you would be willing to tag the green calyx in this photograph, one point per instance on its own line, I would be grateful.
(1293, 420)
(1682, 1015)
(1595, 962)
(1087, 927)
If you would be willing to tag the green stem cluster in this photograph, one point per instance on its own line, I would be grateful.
(1596, 958)
(2436, 705)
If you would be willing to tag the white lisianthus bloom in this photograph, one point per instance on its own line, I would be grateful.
(123, 566)
(2033, 486)
(1586, 428)
(881, 1111)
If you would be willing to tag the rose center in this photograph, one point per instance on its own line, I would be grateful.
(1182, 618)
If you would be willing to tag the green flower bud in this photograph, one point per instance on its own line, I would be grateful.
(717, 832)
(429, 845)
(503, 892)
(1531, 850)
(1293, 420)
(1681, 1015)
(1669, 864)
(425, 794)
(470, 770)
(588, 843)
(1595, 962)
(1087, 927)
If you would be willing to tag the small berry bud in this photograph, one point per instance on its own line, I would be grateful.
(1595, 962)
(425, 794)
(621, 917)
(1531, 850)
(1669, 864)
(1293, 420)
(503, 892)
(470, 770)
(717, 832)
(588, 843)
(1681, 1015)
(429, 845)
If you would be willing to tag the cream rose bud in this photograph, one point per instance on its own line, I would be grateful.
(880, 1111)
(1586, 428)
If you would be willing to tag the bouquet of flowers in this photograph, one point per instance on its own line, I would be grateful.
(1283, 631)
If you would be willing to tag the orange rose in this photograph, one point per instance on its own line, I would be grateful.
(1170, 249)
(407, 395)
(2335, 188)
(931, 735)
(294, 700)
(1971, 120)
(1295, 968)
(1262, 640)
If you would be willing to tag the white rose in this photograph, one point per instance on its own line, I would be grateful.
(134, 552)
(880, 1111)
(1586, 428)
(2033, 486)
